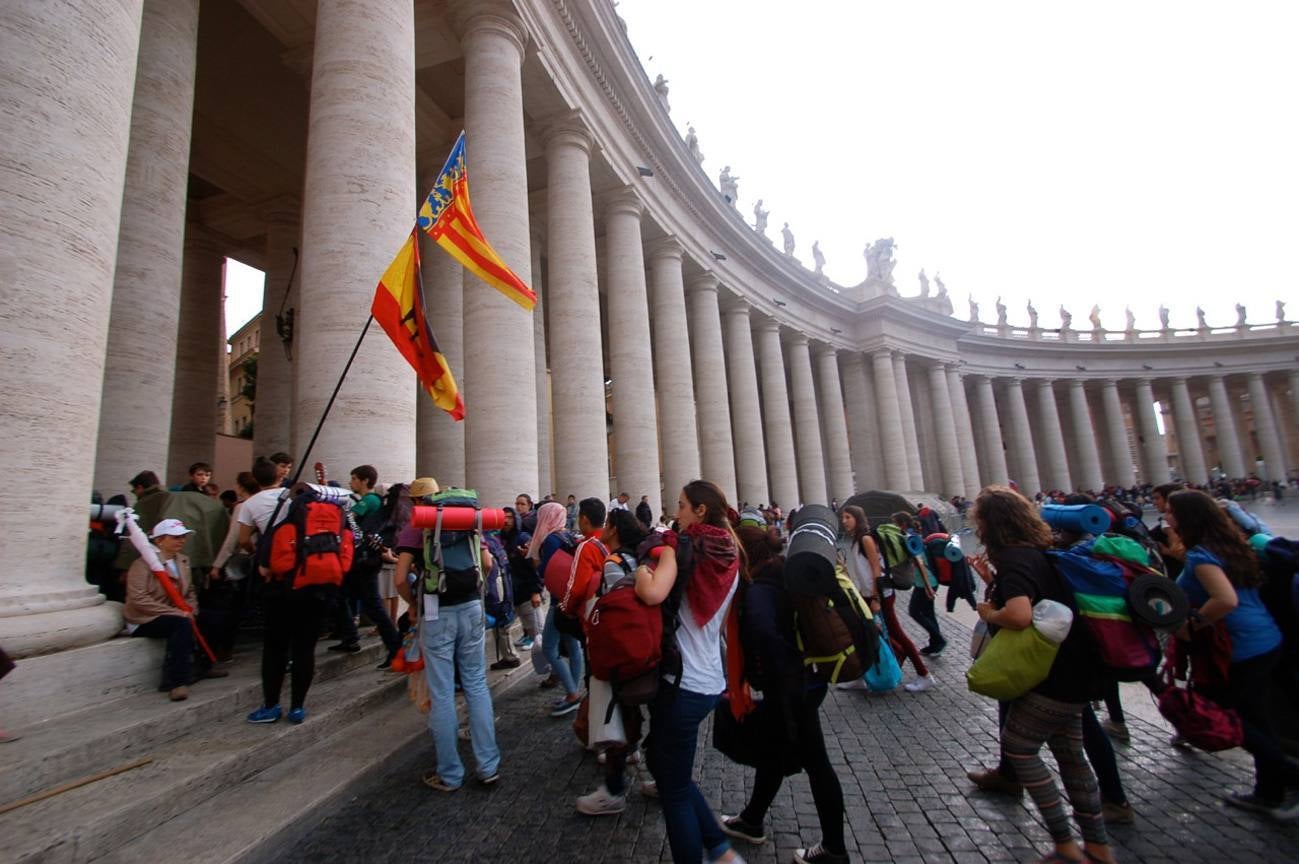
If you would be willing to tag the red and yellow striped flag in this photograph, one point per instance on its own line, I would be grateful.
(449, 220)
(399, 308)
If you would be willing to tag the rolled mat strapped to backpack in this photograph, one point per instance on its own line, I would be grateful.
(1077, 518)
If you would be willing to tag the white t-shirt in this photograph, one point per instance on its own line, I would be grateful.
(701, 648)
(257, 510)
(615, 504)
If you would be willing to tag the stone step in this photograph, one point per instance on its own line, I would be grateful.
(119, 730)
(255, 821)
(193, 766)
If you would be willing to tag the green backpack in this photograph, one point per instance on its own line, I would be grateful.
(453, 559)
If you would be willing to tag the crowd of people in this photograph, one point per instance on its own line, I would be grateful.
(311, 559)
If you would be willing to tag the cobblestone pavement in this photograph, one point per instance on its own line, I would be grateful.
(901, 758)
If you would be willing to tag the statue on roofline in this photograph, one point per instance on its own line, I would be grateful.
(1001, 312)
(760, 218)
(661, 88)
(974, 308)
(788, 238)
(879, 260)
(818, 257)
(924, 283)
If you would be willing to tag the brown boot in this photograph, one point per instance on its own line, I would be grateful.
(178, 694)
(994, 781)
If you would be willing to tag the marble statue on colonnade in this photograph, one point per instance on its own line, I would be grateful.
(1032, 316)
(1163, 317)
(661, 88)
(1280, 311)
(1001, 312)
(879, 260)
(789, 239)
(1199, 318)
(1066, 320)
(692, 144)
(1130, 320)
(818, 257)
(924, 283)
(942, 289)
(1240, 315)
(974, 309)
(1095, 316)
(760, 218)
(730, 186)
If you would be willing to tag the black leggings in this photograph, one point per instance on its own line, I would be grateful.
(293, 618)
(826, 792)
(1249, 693)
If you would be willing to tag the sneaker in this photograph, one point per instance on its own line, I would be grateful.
(348, 647)
(297, 715)
(601, 803)
(525, 644)
(854, 684)
(1251, 802)
(924, 682)
(265, 714)
(1179, 742)
(387, 660)
(1118, 814)
(993, 781)
(564, 706)
(1288, 811)
(735, 826)
(649, 789)
(933, 650)
(818, 855)
(549, 682)
(1117, 731)
(490, 779)
(507, 663)
(433, 781)
(178, 694)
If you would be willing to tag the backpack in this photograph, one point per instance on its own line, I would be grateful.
(313, 545)
(452, 559)
(624, 636)
(1103, 587)
(559, 565)
(377, 531)
(670, 609)
(498, 595)
(898, 566)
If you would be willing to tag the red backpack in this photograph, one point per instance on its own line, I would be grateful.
(624, 636)
(313, 545)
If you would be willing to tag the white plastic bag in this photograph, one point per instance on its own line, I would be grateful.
(1052, 619)
(600, 693)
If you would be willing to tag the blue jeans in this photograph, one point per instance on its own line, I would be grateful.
(675, 716)
(455, 641)
(570, 674)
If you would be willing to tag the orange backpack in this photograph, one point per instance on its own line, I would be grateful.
(313, 545)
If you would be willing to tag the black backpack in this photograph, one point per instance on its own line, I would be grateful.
(376, 531)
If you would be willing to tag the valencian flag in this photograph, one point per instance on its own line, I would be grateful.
(449, 220)
(399, 308)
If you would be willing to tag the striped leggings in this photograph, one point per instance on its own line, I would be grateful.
(1034, 720)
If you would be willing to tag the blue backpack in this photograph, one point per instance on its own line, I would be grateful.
(498, 593)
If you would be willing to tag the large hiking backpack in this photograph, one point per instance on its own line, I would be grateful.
(832, 622)
(1121, 600)
(378, 531)
(559, 565)
(671, 662)
(898, 566)
(452, 559)
(498, 592)
(313, 545)
(624, 635)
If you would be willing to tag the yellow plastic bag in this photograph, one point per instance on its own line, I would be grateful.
(1013, 663)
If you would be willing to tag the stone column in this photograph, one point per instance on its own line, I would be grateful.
(150, 246)
(1265, 427)
(964, 432)
(863, 424)
(807, 424)
(775, 407)
(1089, 457)
(679, 432)
(1052, 439)
(273, 409)
(69, 72)
(949, 452)
(897, 471)
(1116, 435)
(200, 354)
(635, 427)
(1188, 434)
(907, 414)
(712, 368)
(1156, 453)
(501, 424)
(835, 421)
(746, 413)
(541, 378)
(1022, 436)
(577, 367)
(358, 208)
(440, 440)
(1234, 463)
(994, 450)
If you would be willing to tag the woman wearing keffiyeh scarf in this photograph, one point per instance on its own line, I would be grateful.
(684, 701)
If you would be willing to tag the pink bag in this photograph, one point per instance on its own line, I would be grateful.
(1197, 718)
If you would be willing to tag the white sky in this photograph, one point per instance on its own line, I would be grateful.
(1106, 152)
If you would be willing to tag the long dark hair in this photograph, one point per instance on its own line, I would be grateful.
(861, 525)
(630, 530)
(762, 549)
(1004, 518)
(1201, 522)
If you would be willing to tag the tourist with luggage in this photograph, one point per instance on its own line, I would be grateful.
(1221, 579)
(899, 573)
(1016, 540)
(697, 596)
(548, 541)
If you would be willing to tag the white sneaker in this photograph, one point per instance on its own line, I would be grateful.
(854, 684)
(920, 684)
(601, 803)
(649, 789)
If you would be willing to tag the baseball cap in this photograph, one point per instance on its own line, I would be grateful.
(169, 528)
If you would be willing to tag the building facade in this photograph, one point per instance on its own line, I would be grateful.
(300, 136)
